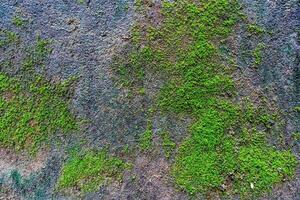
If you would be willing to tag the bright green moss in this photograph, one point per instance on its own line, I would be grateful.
(206, 156)
(30, 114)
(261, 167)
(185, 49)
(145, 141)
(198, 172)
(90, 171)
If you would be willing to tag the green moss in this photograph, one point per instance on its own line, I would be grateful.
(185, 50)
(126, 149)
(8, 37)
(257, 53)
(255, 29)
(130, 70)
(31, 113)
(138, 3)
(18, 21)
(142, 91)
(168, 144)
(31, 109)
(207, 144)
(145, 141)
(296, 136)
(41, 49)
(297, 108)
(81, 1)
(262, 167)
(197, 173)
(90, 171)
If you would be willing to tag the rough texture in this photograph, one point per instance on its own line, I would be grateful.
(277, 76)
(85, 37)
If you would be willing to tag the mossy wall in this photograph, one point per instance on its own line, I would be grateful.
(149, 99)
(228, 139)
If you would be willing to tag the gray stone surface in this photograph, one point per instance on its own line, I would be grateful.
(278, 76)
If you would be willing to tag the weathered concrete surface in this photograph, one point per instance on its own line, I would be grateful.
(85, 38)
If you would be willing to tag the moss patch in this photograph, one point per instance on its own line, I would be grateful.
(257, 53)
(185, 49)
(255, 29)
(167, 143)
(31, 109)
(145, 141)
(264, 166)
(297, 108)
(18, 21)
(30, 114)
(8, 37)
(88, 172)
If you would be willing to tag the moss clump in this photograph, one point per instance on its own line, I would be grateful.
(81, 1)
(208, 156)
(145, 141)
(255, 29)
(167, 143)
(197, 85)
(297, 108)
(257, 53)
(18, 21)
(90, 171)
(8, 37)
